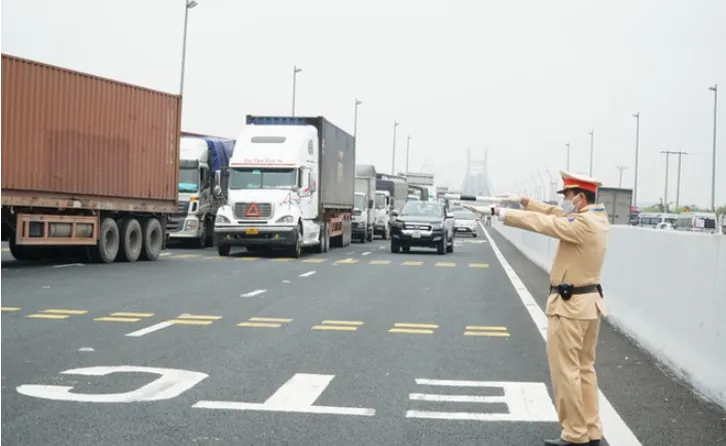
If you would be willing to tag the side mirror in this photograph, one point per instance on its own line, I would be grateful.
(370, 204)
(218, 190)
(394, 213)
(295, 188)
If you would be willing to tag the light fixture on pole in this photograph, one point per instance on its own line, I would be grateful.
(408, 147)
(355, 123)
(620, 180)
(295, 71)
(592, 148)
(714, 88)
(568, 155)
(188, 4)
(393, 160)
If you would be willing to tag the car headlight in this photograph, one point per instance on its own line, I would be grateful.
(286, 219)
(221, 219)
(436, 226)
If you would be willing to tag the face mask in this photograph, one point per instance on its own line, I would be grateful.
(568, 206)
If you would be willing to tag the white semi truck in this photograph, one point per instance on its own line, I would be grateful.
(290, 185)
(364, 217)
(391, 193)
(200, 158)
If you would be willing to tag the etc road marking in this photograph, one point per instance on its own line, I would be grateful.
(528, 402)
(297, 396)
(253, 293)
(617, 433)
(53, 313)
(170, 383)
(338, 325)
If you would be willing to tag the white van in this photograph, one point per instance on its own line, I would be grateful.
(697, 222)
(651, 220)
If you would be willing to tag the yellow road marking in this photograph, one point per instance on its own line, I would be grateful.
(407, 325)
(410, 331)
(314, 260)
(198, 316)
(258, 324)
(498, 334)
(379, 262)
(163, 254)
(478, 265)
(343, 322)
(47, 316)
(412, 263)
(248, 258)
(283, 259)
(57, 311)
(6, 250)
(349, 260)
(485, 328)
(10, 308)
(446, 264)
(333, 327)
(117, 319)
(186, 256)
(189, 322)
(270, 319)
(124, 314)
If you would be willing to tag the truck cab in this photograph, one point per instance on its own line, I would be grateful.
(382, 205)
(362, 228)
(194, 220)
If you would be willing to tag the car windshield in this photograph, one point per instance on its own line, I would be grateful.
(380, 201)
(188, 180)
(246, 178)
(464, 215)
(423, 209)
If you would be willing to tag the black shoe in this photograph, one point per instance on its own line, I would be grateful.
(561, 442)
(594, 442)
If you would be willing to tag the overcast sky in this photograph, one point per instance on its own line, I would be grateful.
(519, 77)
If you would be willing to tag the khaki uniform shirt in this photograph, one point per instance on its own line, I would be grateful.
(583, 238)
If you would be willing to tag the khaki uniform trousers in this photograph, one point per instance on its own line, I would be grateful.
(571, 355)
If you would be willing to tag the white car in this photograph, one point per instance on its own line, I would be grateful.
(465, 222)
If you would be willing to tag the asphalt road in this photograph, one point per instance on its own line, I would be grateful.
(355, 346)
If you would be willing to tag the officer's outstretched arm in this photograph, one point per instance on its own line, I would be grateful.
(544, 208)
(572, 229)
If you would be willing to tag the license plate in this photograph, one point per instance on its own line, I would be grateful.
(252, 231)
(416, 234)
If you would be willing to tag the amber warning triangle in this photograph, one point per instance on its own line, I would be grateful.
(253, 211)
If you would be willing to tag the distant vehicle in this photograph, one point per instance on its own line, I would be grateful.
(697, 222)
(617, 204)
(664, 225)
(465, 222)
(651, 220)
(423, 224)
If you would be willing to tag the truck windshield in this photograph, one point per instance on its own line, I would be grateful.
(359, 202)
(188, 180)
(380, 201)
(248, 178)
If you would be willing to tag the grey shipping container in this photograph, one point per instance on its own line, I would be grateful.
(337, 158)
(617, 203)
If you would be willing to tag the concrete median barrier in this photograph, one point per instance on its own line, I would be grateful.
(666, 290)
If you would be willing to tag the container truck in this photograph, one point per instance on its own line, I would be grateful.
(393, 190)
(423, 183)
(201, 157)
(291, 185)
(364, 217)
(86, 162)
(617, 203)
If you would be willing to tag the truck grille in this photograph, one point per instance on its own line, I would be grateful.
(418, 226)
(183, 207)
(264, 210)
(174, 223)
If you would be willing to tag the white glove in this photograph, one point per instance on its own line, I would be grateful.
(510, 198)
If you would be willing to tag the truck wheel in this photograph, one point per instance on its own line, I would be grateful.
(347, 233)
(151, 236)
(326, 238)
(19, 252)
(224, 250)
(132, 240)
(107, 247)
(321, 245)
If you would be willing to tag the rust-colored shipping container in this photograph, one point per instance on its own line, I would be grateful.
(74, 140)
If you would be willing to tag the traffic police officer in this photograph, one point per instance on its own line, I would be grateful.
(575, 302)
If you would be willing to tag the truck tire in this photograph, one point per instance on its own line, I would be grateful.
(347, 233)
(152, 236)
(323, 233)
(108, 244)
(132, 240)
(297, 248)
(224, 250)
(326, 238)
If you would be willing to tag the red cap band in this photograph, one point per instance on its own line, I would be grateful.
(571, 182)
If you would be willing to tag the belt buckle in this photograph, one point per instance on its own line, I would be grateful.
(565, 291)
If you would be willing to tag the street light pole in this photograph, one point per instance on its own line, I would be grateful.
(355, 123)
(408, 146)
(678, 181)
(620, 181)
(393, 160)
(637, 147)
(295, 71)
(665, 195)
(713, 166)
(568, 155)
(592, 145)
(188, 4)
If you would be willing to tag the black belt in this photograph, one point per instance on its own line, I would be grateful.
(566, 291)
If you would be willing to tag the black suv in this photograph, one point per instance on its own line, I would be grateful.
(426, 224)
